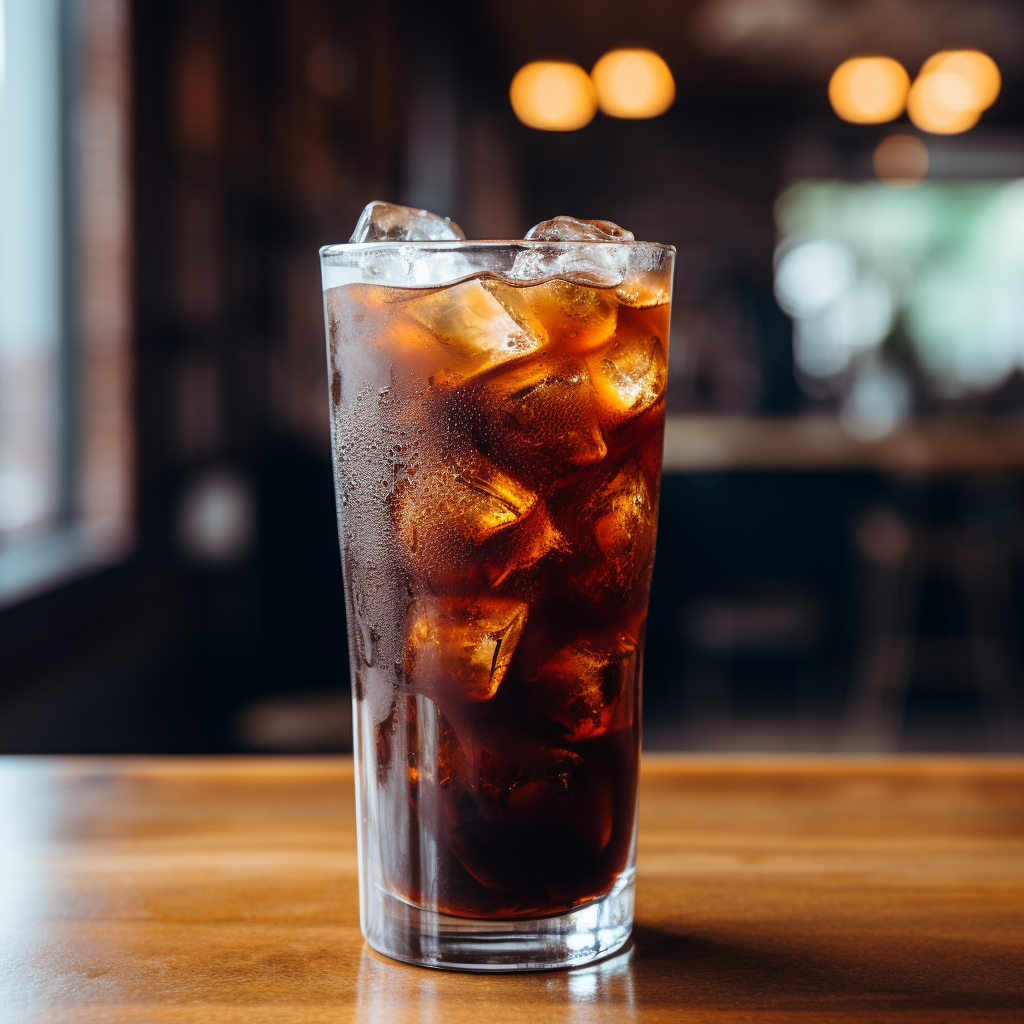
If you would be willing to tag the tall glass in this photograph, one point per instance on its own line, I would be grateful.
(497, 412)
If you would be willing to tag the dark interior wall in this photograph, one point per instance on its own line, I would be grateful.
(782, 602)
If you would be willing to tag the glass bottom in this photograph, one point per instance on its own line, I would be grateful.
(431, 939)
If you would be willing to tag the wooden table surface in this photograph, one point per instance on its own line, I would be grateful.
(769, 890)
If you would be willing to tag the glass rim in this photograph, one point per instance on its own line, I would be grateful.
(443, 244)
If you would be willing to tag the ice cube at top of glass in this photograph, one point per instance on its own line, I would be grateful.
(497, 411)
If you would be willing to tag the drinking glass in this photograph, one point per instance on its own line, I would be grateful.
(497, 413)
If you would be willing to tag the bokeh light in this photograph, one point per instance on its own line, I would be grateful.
(216, 520)
(869, 90)
(809, 276)
(940, 103)
(901, 161)
(976, 69)
(633, 83)
(952, 90)
(857, 319)
(876, 404)
(837, 312)
(966, 319)
(553, 96)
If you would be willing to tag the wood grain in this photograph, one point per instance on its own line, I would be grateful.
(769, 890)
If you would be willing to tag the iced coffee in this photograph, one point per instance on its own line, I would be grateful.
(497, 445)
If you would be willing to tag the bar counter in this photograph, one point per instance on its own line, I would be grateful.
(769, 890)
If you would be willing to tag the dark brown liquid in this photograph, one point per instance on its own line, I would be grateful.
(497, 459)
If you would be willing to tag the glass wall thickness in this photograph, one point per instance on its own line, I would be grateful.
(497, 452)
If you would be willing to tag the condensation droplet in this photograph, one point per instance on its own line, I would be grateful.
(366, 634)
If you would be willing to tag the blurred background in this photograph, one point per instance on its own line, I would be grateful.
(841, 539)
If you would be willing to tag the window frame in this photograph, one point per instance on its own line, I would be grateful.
(94, 61)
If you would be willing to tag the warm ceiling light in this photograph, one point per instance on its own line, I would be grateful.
(977, 70)
(901, 161)
(553, 95)
(940, 103)
(869, 90)
(633, 83)
(952, 90)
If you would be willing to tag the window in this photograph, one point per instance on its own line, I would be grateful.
(903, 299)
(31, 278)
(66, 440)
(943, 260)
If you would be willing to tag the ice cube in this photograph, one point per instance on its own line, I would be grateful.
(369, 333)
(643, 291)
(380, 222)
(530, 815)
(541, 413)
(622, 514)
(588, 686)
(536, 813)
(618, 535)
(602, 266)
(572, 229)
(464, 521)
(466, 494)
(537, 774)
(450, 755)
(461, 646)
(629, 376)
(523, 546)
(476, 330)
(578, 316)
(489, 499)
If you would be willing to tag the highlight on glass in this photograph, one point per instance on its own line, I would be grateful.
(553, 96)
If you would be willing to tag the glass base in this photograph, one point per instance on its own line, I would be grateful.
(431, 939)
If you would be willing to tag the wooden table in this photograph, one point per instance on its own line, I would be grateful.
(216, 890)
